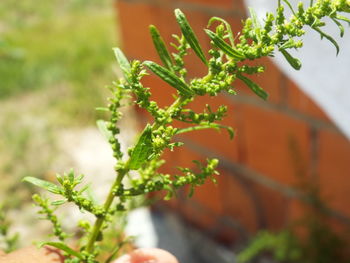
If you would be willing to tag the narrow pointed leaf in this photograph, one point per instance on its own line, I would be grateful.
(101, 109)
(227, 25)
(222, 45)
(101, 125)
(85, 188)
(58, 202)
(122, 61)
(323, 34)
(71, 176)
(344, 18)
(254, 17)
(290, 6)
(203, 126)
(43, 184)
(170, 78)
(294, 62)
(143, 149)
(254, 87)
(189, 35)
(161, 48)
(340, 26)
(290, 43)
(63, 247)
(256, 23)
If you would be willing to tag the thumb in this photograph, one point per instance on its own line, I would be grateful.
(147, 255)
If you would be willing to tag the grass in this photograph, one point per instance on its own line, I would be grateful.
(56, 46)
(55, 59)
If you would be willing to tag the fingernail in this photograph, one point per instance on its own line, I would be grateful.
(124, 259)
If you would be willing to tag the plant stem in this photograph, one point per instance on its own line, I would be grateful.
(110, 198)
(99, 221)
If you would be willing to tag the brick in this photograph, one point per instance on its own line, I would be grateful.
(238, 200)
(161, 91)
(296, 211)
(273, 207)
(211, 3)
(276, 145)
(134, 19)
(239, 5)
(166, 23)
(299, 101)
(334, 170)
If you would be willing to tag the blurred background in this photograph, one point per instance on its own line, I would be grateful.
(283, 191)
(55, 62)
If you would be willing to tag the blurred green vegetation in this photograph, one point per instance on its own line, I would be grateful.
(55, 60)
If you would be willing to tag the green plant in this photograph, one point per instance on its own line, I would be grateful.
(225, 65)
(308, 240)
(8, 241)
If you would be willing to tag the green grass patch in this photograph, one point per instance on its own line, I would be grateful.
(55, 60)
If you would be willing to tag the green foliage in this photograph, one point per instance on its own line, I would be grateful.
(318, 244)
(50, 46)
(225, 64)
(284, 247)
(8, 241)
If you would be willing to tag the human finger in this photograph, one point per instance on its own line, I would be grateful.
(33, 255)
(147, 255)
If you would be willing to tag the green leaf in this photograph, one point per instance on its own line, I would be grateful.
(101, 109)
(290, 6)
(254, 17)
(340, 26)
(227, 25)
(161, 48)
(203, 126)
(143, 149)
(123, 62)
(61, 246)
(170, 192)
(254, 87)
(85, 188)
(294, 62)
(58, 202)
(344, 18)
(43, 184)
(101, 125)
(189, 35)
(256, 23)
(71, 176)
(170, 78)
(226, 48)
(290, 43)
(324, 35)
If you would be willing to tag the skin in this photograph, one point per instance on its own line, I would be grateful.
(51, 255)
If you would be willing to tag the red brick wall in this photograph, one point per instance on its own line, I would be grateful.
(280, 146)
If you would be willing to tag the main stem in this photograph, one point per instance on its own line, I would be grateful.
(99, 221)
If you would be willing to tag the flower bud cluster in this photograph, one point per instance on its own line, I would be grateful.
(46, 210)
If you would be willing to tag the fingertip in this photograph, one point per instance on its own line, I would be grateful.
(143, 255)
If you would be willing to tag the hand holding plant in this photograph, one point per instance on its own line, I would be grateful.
(47, 255)
(226, 63)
